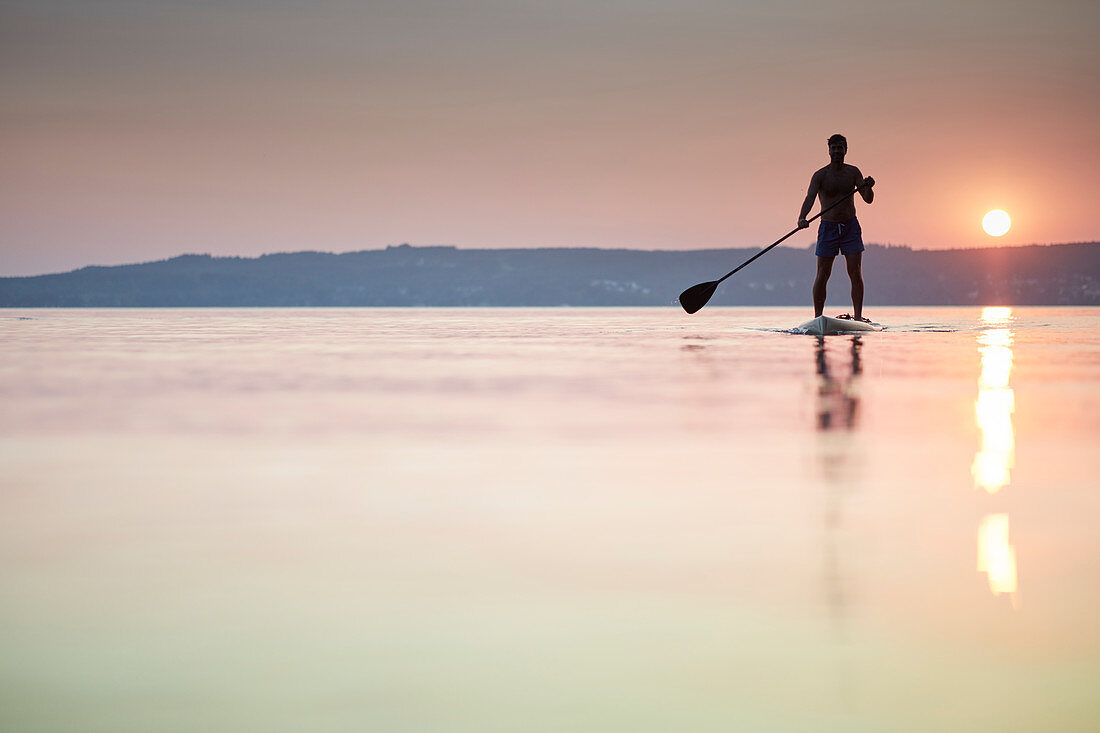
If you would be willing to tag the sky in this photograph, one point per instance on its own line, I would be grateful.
(135, 130)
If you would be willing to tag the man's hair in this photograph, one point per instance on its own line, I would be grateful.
(838, 138)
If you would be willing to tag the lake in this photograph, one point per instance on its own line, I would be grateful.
(549, 519)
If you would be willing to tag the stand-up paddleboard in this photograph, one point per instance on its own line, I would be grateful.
(827, 326)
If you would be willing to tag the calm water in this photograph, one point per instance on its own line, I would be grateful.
(548, 520)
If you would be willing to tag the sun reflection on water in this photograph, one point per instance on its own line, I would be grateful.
(992, 467)
(993, 411)
(996, 313)
(995, 555)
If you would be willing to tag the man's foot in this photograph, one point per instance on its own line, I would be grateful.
(850, 317)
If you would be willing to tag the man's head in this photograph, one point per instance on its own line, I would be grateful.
(838, 147)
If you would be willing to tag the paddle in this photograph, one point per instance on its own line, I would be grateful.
(697, 296)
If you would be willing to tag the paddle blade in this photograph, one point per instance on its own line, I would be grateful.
(697, 296)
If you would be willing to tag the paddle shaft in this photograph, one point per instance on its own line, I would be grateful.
(782, 239)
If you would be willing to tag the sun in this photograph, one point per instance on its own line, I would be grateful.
(996, 223)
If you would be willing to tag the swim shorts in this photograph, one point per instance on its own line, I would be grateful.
(836, 237)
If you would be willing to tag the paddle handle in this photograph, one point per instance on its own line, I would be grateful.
(782, 239)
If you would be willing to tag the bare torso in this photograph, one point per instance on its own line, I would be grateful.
(834, 183)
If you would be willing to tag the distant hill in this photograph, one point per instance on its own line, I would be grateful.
(1063, 274)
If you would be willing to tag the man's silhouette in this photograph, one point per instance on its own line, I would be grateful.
(839, 232)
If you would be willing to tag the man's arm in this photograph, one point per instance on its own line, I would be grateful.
(811, 194)
(865, 186)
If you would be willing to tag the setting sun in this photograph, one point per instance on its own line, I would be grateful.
(996, 223)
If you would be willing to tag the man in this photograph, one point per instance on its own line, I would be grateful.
(839, 232)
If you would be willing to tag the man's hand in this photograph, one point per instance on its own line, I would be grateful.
(802, 223)
(867, 190)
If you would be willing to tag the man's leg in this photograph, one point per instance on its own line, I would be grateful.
(824, 268)
(855, 274)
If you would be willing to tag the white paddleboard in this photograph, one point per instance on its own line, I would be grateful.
(828, 326)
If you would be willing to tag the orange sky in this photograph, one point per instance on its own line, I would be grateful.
(134, 131)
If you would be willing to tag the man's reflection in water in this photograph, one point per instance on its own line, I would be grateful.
(838, 398)
(837, 415)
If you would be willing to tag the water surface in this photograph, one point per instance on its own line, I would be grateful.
(548, 519)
